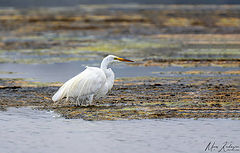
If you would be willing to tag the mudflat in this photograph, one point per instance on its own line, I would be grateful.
(165, 36)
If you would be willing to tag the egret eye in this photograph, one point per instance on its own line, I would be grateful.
(115, 58)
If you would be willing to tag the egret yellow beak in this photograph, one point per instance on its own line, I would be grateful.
(124, 60)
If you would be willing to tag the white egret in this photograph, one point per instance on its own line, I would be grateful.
(92, 82)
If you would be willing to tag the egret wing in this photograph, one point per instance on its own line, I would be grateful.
(86, 83)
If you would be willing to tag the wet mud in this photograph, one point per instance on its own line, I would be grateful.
(138, 98)
(206, 36)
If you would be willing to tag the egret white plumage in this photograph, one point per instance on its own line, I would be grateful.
(92, 82)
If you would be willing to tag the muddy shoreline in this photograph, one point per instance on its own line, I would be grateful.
(192, 36)
(152, 98)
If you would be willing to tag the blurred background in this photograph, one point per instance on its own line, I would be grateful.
(54, 3)
(170, 38)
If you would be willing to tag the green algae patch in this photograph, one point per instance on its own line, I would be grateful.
(53, 51)
(6, 72)
(228, 22)
(122, 45)
(192, 62)
(20, 82)
(212, 51)
(175, 22)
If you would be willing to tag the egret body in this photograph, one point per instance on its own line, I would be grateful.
(92, 82)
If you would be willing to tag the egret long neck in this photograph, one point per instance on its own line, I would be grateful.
(104, 64)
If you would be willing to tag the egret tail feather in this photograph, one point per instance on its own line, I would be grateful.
(60, 94)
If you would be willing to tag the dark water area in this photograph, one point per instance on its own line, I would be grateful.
(54, 3)
(24, 130)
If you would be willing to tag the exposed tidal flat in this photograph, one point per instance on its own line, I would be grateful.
(187, 59)
(137, 98)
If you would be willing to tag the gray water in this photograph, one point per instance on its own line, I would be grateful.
(24, 130)
(61, 72)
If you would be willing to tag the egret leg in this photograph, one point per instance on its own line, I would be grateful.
(70, 101)
(90, 100)
(84, 101)
(77, 101)
(66, 100)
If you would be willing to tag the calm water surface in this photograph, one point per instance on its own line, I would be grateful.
(24, 130)
(63, 71)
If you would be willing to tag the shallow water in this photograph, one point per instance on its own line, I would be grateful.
(24, 130)
(63, 71)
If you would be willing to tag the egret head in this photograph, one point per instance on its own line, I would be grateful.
(112, 59)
